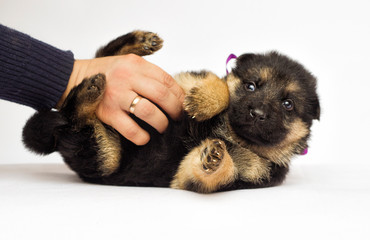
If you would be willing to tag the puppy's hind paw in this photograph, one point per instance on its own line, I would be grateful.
(213, 155)
(149, 42)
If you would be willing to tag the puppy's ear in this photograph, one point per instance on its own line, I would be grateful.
(316, 109)
(243, 63)
(245, 58)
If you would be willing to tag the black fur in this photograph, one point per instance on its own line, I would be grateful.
(268, 97)
(156, 163)
(152, 165)
(114, 46)
(278, 174)
(40, 131)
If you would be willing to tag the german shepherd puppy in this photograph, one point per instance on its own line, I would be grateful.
(238, 132)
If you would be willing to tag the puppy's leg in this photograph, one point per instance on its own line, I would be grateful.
(138, 42)
(206, 168)
(82, 101)
(79, 108)
(251, 167)
(206, 94)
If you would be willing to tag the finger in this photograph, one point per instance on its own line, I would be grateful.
(159, 94)
(148, 112)
(155, 72)
(128, 128)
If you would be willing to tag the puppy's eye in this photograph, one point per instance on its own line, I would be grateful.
(288, 104)
(251, 86)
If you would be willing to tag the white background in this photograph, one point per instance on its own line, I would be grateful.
(331, 38)
(327, 191)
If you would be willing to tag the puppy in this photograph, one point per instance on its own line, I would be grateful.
(238, 132)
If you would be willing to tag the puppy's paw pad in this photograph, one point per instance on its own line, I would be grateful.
(212, 155)
(150, 42)
(94, 86)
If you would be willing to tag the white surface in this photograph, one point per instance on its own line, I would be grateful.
(326, 195)
(318, 201)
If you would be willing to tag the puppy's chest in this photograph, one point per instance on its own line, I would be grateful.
(194, 133)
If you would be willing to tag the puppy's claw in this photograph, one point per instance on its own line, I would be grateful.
(212, 156)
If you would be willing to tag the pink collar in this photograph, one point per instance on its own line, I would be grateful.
(231, 56)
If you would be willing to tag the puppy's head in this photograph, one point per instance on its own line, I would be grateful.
(273, 100)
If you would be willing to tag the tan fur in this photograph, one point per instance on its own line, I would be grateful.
(191, 169)
(252, 162)
(298, 130)
(129, 49)
(265, 74)
(109, 152)
(292, 87)
(282, 153)
(89, 98)
(187, 81)
(233, 83)
(109, 149)
(251, 167)
(87, 110)
(205, 96)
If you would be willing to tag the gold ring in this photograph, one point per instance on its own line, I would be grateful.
(134, 103)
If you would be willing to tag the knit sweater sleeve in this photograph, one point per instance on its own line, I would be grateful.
(32, 73)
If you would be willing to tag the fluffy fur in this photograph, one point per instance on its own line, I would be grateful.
(237, 132)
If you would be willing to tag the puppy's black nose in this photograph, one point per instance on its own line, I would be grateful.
(257, 114)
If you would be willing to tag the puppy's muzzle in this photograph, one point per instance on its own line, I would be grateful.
(257, 114)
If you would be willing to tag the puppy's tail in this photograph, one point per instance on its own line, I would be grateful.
(39, 132)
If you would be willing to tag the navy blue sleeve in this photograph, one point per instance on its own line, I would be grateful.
(32, 73)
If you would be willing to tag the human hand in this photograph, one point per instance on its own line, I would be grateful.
(127, 77)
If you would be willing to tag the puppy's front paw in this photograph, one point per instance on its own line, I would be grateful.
(206, 168)
(208, 97)
(195, 105)
(213, 155)
(93, 88)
